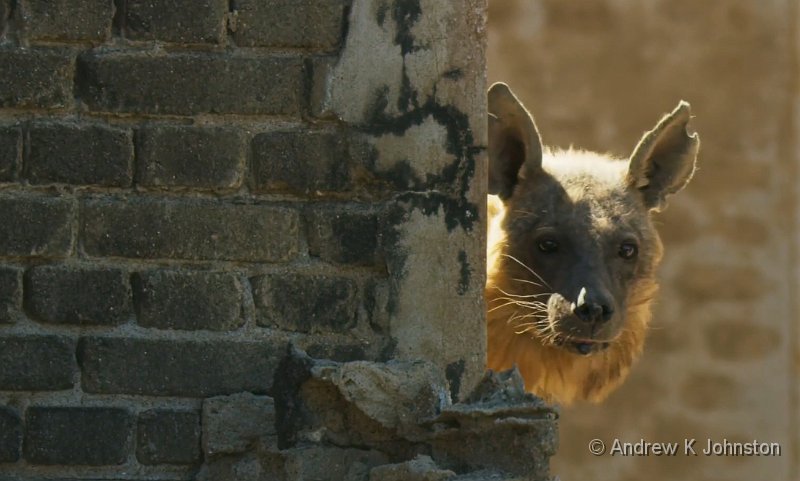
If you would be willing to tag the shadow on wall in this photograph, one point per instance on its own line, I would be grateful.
(721, 358)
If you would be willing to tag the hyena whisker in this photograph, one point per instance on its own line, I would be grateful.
(521, 302)
(522, 296)
(527, 327)
(530, 326)
(509, 303)
(513, 318)
(528, 268)
(539, 316)
(528, 282)
(532, 306)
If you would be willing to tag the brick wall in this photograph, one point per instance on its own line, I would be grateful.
(189, 187)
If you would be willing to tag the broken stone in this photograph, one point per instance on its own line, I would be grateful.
(403, 411)
(330, 463)
(396, 394)
(490, 475)
(356, 403)
(421, 468)
(252, 466)
(501, 427)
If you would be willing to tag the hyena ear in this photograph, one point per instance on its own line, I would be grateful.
(664, 160)
(513, 141)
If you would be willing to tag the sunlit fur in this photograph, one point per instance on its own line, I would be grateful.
(517, 330)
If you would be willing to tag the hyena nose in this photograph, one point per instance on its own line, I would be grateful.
(593, 307)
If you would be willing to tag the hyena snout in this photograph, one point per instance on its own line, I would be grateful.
(593, 306)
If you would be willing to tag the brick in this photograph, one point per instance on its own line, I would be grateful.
(79, 154)
(740, 339)
(305, 303)
(344, 237)
(180, 21)
(168, 437)
(188, 300)
(5, 11)
(10, 293)
(288, 23)
(238, 423)
(338, 352)
(300, 162)
(321, 70)
(177, 368)
(76, 295)
(10, 435)
(10, 152)
(171, 156)
(307, 462)
(67, 20)
(187, 229)
(35, 226)
(38, 78)
(190, 83)
(420, 468)
(77, 435)
(36, 363)
(256, 465)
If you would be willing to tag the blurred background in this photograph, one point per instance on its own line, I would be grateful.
(722, 357)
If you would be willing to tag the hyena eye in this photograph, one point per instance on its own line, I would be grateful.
(547, 245)
(628, 250)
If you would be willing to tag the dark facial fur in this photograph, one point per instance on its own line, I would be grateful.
(578, 241)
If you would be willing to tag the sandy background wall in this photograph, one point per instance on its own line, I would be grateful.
(721, 361)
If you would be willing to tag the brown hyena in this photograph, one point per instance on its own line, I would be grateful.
(572, 251)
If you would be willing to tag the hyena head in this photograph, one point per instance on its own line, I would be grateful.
(575, 251)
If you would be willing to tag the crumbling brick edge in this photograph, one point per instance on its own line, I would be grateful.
(378, 421)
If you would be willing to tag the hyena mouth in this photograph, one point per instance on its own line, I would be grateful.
(584, 347)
